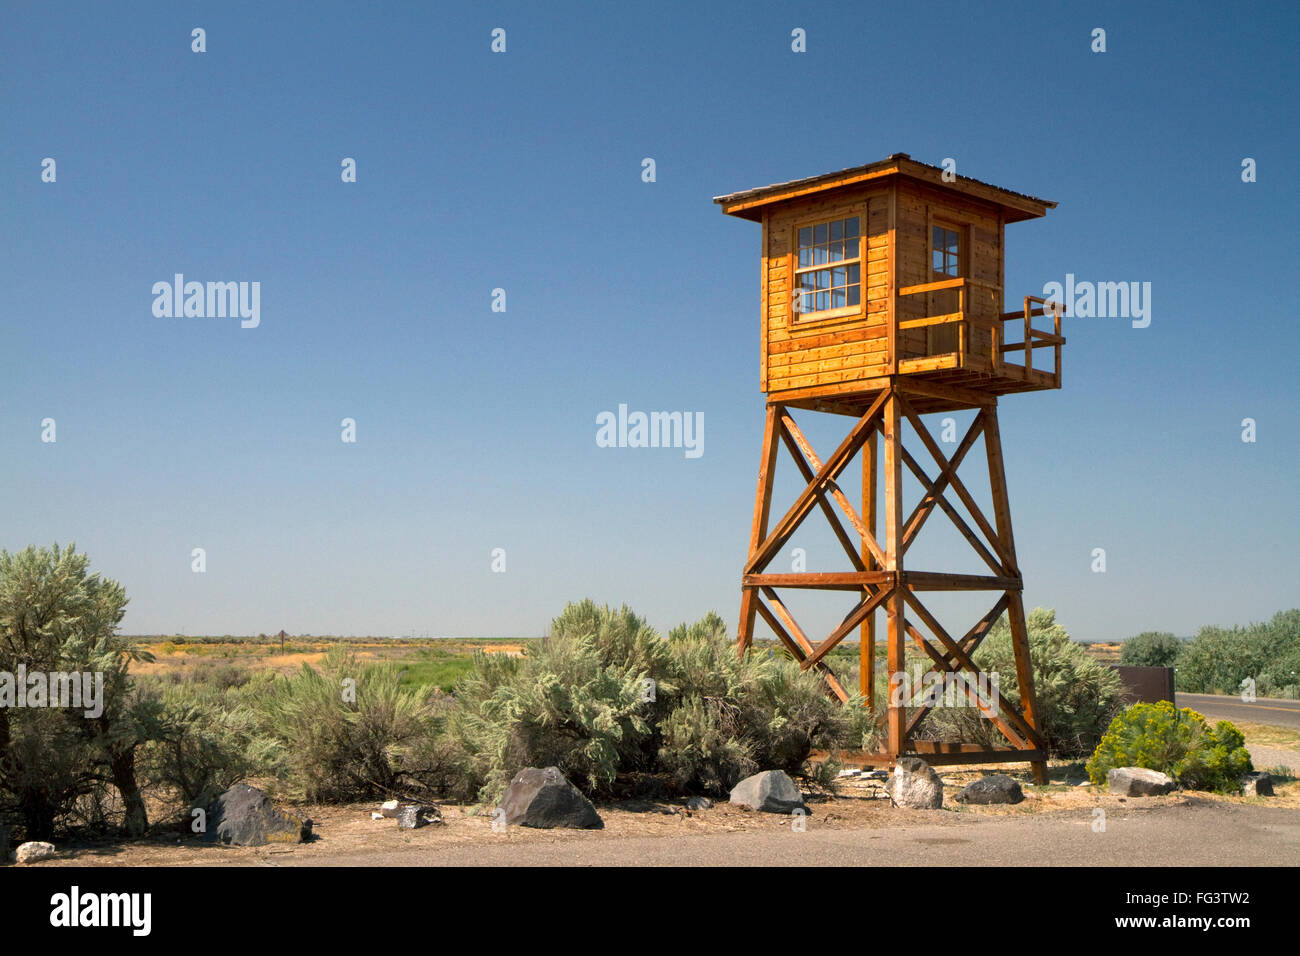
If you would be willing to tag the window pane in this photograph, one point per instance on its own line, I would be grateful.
(819, 255)
(950, 241)
(936, 238)
(937, 262)
(837, 299)
(853, 295)
(805, 236)
(837, 251)
(853, 274)
(819, 233)
(850, 227)
(805, 257)
(837, 230)
(805, 303)
(823, 300)
(806, 281)
(823, 279)
(839, 276)
(851, 249)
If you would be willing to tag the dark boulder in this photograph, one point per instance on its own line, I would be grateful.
(415, 815)
(1257, 784)
(995, 788)
(245, 816)
(546, 800)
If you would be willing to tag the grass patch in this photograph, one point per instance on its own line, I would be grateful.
(434, 668)
(1266, 735)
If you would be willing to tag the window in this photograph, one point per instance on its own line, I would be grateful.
(945, 251)
(828, 274)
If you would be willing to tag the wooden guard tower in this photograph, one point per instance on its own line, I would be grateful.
(882, 301)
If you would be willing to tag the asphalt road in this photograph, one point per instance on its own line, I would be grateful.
(1279, 713)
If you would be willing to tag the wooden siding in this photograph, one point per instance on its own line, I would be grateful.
(799, 351)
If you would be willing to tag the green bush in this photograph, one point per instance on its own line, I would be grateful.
(604, 696)
(204, 738)
(347, 730)
(1174, 741)
(1077, 695)
(56, 616)
(1150, 649)
(733, 716)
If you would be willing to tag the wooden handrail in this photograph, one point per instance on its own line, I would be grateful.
(946, 319)
(939, 286)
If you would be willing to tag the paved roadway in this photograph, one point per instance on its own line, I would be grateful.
(1279, 713)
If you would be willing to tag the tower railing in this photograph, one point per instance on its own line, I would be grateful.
(993, 326)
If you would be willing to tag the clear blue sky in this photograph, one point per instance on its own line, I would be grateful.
(522, 170)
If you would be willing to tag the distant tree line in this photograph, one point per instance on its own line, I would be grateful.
(1221, 660)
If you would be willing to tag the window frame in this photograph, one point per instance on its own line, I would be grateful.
(803, 319)
(962, 231)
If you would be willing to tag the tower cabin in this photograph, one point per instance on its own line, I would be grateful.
(889, 270)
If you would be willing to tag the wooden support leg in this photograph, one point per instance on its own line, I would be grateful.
(762, 510)
(1015, 601)
(867, 651)
(897, 637)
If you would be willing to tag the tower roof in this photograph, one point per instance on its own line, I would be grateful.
(749, 203)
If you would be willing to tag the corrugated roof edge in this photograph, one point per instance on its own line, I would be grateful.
(869, 167)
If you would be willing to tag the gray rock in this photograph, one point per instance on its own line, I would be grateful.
(391, 809)
(771, 791)
(32, 851)
(699, 803)
(546, 800)
(245, 816)
(915, 785)
(1138, 782)
(995, 788)
(416, 815)
(1258, 784)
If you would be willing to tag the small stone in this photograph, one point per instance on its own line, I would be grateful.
(915, 785)
(376, 816)
(1258, 784)
(699, 803)
(1139, 782)
(390, 808)
(995, 788)
(1084, 783)
(771, 791)
(34, 850)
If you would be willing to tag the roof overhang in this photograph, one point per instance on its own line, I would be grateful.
(752, 203)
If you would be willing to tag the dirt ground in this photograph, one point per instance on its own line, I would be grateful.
(654, 831)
